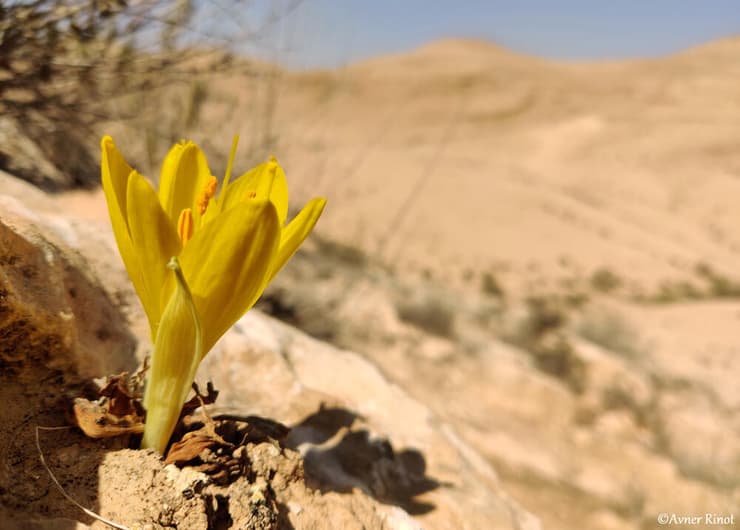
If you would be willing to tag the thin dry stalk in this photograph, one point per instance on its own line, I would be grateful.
(61, 489)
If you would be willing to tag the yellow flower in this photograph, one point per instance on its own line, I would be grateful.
(228, 246)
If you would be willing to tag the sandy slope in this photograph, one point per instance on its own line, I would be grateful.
(462, 156)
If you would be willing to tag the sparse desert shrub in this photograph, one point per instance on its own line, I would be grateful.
(703, 269)
(574, 292)
(48, 54)
(688, 290)
(674, 291)
(302, 309)
(430, 312)
(720, 286)
(490, 285)
(605, 281)
(723, 287)
(541, 333)
(197, 95)
(345, 254)
(612, 331)
(554, 354)
(61, 62)
(576, 299)
(70, 67)
(544, 313)
(489, 313)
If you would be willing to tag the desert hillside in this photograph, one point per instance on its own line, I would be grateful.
(583, 213)
(542, 256)
(491, 160)
(462, 155)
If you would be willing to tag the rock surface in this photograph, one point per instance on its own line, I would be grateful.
(357, 430)
(644, 425)
(361, 453)
(52, 309)
(625, 406)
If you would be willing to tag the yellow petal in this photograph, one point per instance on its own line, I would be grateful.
(177, 353)
(226, 262)
(114, 175)
(264, 182)
(296, 231)
(183, 178)
(114, 172)
(155, 240)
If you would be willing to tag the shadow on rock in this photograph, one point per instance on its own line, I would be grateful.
(339, 456)
(35, 397)
(58, 327)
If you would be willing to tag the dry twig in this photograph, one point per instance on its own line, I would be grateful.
(61, 489)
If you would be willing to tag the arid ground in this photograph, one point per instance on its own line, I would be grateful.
(545, 255)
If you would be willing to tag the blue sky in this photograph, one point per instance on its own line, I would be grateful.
(326, 33)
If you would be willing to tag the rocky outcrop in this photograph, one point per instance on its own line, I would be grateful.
(653, 416)
(53, 310)
(361, 453)
(357, 430)
(58, 327)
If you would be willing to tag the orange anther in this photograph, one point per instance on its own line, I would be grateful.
(207, 194)
(185, 225)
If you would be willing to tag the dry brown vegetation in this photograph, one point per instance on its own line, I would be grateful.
(67, 66)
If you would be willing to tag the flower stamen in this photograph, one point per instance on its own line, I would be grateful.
(207, 194)
(185, 225)
(230, 164)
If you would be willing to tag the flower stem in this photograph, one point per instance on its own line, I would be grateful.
(177, 353)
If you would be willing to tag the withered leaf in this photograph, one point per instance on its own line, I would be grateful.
(96, 422)
(120, 400)
(193, 443)
(117, 412)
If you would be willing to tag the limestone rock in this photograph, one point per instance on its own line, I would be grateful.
(362, 453)
(52, 309)
(356, 429)
(703, 439)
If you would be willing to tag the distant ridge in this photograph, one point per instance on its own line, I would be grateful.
(721, 53)
(729, 46)
(477, 53)
(462, 54)
(453, 46)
